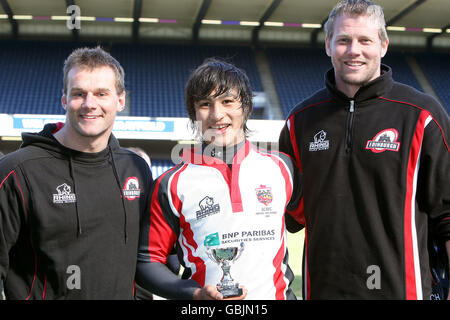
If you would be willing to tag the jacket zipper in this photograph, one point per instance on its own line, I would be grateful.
(351, 110)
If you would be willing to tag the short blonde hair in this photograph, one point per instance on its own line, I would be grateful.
(358, 8)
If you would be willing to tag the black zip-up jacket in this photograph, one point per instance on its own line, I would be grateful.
(69, 221)
(374, 169)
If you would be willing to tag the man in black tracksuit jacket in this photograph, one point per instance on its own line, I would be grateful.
(71, 198)
(375, 163)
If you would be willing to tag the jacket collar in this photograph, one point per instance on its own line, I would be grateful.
(210, 155)
(47, 141)
(367, 92)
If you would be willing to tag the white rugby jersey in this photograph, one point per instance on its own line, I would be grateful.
(203, 203)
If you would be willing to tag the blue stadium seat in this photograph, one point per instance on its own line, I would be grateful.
(31, 77)
(401, 72)
(436, 67)
(159, 166)
(298, 73)
(31, 74)
(156, 74)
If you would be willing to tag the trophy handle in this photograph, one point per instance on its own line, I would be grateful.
(241, 248)
(210, 255)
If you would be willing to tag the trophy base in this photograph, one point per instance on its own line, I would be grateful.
(231, 292)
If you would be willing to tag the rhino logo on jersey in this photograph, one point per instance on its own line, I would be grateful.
(63, 189)
(319, 142)
(207, 208)
(64, 194)
(206, 202)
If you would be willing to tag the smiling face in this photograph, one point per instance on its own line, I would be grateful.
(91, 103)
(356, 51)
(221, 119)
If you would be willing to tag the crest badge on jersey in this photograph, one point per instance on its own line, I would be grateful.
(264, 194)
(131, 189)
(385, 140)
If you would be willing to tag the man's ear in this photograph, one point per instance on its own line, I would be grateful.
(64, 101)
(121, 101)
(327, 46)
(384, 47)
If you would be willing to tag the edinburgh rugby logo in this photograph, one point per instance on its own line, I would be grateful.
(131, 188)
(264, 194)
(384, 140)
(319, 142)
(64, 194)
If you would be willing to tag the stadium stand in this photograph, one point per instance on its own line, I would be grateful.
(436, 67)
(401, 72)
(297, 72)
(157, 74)
(159, 166)
(31, 77)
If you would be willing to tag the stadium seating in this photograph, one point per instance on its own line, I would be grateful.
(31, 77)
(156, 74)
(436, 68)
(159, 166)
(297, 72)
(31, 74)
(401, 72)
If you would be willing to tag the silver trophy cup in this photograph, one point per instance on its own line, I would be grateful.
(224, 258)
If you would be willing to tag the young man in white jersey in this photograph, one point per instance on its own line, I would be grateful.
(225, 197)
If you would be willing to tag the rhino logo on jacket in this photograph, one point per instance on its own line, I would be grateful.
(64, 194)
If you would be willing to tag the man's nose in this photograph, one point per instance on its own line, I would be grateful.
(216, 111)
(89, 100)
(354, 48)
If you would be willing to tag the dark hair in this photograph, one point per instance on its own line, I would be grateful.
(219, 76)
(92, 58)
